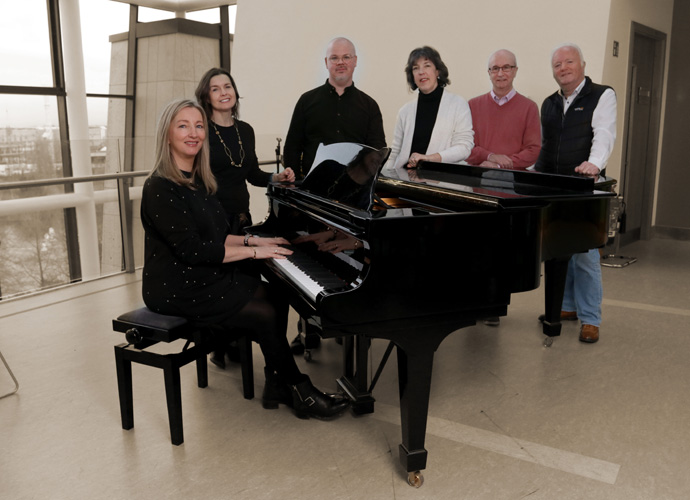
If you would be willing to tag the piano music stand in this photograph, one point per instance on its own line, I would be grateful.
(16, 384)
(279, 157)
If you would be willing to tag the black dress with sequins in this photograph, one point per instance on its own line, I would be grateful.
(184, 274)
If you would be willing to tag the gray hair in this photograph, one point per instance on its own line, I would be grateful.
(569, 46)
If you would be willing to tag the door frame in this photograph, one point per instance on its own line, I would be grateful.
(654, 136)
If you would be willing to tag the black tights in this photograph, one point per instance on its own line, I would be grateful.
(265, 316)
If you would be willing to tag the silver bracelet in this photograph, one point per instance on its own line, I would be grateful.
(246, 239)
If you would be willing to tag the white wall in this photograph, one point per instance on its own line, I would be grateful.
(279, 48)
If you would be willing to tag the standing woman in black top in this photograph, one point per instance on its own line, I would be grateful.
(232, 148)
(233, 156)
(190, 266)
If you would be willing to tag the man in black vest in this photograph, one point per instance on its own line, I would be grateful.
(578, 132)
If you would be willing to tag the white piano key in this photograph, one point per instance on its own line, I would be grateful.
(304, 282)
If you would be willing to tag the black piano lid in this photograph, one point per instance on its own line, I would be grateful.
(508, 187)
(346, 173)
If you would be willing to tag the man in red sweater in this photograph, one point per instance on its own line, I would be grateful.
(507, 131)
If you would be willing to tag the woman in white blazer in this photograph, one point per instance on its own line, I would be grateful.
(437, 125)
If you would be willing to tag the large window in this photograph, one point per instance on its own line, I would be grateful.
(41, 226)
(54, 232)
(33, 252)
(29, 142)
(25, 44)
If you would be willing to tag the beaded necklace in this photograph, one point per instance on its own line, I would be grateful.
(228, 153)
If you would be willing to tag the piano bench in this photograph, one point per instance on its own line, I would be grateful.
(144, 328)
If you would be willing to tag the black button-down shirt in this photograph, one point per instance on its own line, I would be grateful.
(323, 116)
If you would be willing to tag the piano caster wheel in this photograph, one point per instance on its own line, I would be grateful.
(548, 341)
(415, 479)
(307, 354)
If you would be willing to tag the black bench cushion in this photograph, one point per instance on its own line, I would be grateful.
(154, 326)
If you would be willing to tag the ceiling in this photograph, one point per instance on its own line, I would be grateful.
(179, 5)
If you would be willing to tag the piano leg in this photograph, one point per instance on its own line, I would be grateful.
(416, 345)
(555, 271)
(414, 380)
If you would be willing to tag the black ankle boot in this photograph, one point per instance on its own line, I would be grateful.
(275, 391)
(308, 401)
(296, 346)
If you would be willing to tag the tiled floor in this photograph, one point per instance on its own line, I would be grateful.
(509, 418)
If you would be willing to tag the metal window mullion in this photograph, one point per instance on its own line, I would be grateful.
(125, 205)
(224, 37)
(123, 185)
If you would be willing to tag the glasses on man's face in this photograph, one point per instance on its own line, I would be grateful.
(495, 69)
(347, 58)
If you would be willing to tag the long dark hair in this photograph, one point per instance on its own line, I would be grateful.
(433, 56)
(204, 88)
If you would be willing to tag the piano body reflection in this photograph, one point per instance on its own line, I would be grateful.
(434, 251)
(574, 220)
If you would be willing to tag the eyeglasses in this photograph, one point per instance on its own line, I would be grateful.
(495, 69)
(346, 59)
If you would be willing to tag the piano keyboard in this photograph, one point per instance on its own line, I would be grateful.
(309, 275)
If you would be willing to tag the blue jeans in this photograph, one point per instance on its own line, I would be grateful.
(583, 287)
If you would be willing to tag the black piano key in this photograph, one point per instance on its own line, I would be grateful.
(315, 270)
(330, 262)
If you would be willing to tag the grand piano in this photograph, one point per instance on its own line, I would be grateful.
(574, 220)
(412, 256)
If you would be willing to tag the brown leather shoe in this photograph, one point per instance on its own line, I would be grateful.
(589, 334)
(568, 316)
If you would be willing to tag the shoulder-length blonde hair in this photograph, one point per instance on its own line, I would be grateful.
(164, 165)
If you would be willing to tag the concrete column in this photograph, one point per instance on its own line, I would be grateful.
(75, 86)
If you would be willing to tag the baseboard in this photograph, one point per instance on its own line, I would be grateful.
(671, 233)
